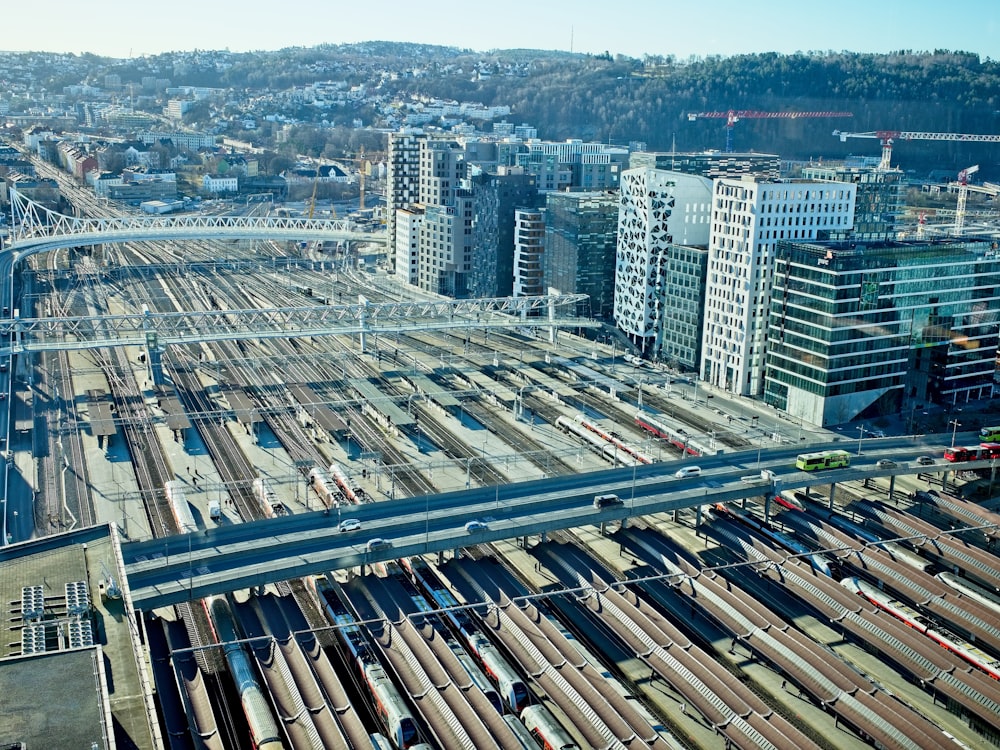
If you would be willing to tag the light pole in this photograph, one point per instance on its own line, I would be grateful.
(955, 425)
(861, 436)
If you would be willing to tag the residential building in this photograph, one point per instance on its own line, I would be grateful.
(581, 230)
(495, 199)
(749, 217)
(529, 247)
(407, 223)
(657, 210)
(863, 330)
(403, 177)
(444, 244)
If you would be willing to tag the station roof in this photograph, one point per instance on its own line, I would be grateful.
(102, 420)
(432, 390)
(380, 402)
(324, 416)
(246, 412)
(177, 418)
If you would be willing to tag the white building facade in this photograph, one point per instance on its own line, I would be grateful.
(657, 209)
(529, 246)
(408, 222)
(749, 217)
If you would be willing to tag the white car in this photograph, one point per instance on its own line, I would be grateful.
(688, 471)
(350, 524)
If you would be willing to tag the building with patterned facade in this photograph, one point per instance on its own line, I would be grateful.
(863, 330)
(709, 163)
(749, 217)
(529, 247)
(402, 177)
(581, 231)
(657, 210)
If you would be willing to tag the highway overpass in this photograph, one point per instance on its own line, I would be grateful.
(174, 569)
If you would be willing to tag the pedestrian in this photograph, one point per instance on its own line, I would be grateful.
(784, 684)
(684, 709)
(652, 675)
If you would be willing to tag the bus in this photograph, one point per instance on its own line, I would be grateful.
(982, 452)
(822, 460)
(989, 435)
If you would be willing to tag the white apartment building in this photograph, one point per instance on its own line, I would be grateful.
(657, 209)
(408, 222)
(749, 216)
(529, 245)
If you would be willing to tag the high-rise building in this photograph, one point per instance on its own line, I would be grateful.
(444, 245)
(495, 198)
(657, 209)
(580, 239)
(529, 247)
(709, 163)
(682, 289)
(880, 199)
(402, 177)
(407, 223)
(865, 330)
(749, 217)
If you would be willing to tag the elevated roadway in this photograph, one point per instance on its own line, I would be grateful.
(174, 569)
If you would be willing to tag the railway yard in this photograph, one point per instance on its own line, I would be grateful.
(702, 629)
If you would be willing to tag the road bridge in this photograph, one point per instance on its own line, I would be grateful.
(170, 570)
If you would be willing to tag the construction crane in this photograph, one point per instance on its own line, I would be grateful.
(734, 116)
(889, 136)
(963, 195)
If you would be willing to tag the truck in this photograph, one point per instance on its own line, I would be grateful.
(214, 510)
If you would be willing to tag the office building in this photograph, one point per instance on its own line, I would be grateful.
(709, 164)
(495, 199)
(881, 195)
(749, 217)
(580, 239)
(866, 330)
(657, 209)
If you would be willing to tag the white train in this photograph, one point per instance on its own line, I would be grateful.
(322, 487)
(345, 488)
(599, 441)
(270, 505)
(180, 508)
(264, 731)
(546, 730)
(674, 435)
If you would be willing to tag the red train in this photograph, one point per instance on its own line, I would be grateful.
(982, 452)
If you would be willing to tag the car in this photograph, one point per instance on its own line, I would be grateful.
(885, 463)
(349, 524)
(603, 501)
(925, 460)
(472, 526)
(688, 471)
(876, 433)
(377, 544)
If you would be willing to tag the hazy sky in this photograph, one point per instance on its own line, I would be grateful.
(631, 27)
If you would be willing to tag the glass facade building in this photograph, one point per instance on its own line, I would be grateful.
(861, 330)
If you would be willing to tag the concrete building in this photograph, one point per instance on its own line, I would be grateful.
(495, 199)
(709, 164)
(580, 240)
(444, 244)
(407, 223)
(749, 217)
(658, 209)
(884, 328)
(529, 247)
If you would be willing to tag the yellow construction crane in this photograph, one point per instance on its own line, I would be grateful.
(312, 200)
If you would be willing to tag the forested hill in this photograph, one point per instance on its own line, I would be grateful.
(621, 99)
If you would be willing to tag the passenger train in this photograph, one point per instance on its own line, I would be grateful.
(269, 504)
(337, 474)
(818, 563)
(319, 484)
(179, 508)
(264, 732)
(950, 642)
(393, 711)
(513, 691)
(676, 437)
(611, 450)
(546, 730)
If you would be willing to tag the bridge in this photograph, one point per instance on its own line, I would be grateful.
(38, 229)
(173, 569)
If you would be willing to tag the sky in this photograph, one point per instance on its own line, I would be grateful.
(120, 28)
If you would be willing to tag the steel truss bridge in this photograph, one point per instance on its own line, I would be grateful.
(37, 229)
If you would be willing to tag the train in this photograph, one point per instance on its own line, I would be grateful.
(270, 505)
(676, 437)
(471, 668)
(818, 563)
(345, 489)
(511, 687)
(264, 732)
(790, 499)
(912, 619)
(894, 549)
(982, 452)
(179, 508)
(545, 729)
(610, 450)
(392, 709)
(318, 483)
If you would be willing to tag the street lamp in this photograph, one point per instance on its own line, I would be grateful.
(955, 425)
(861, 436)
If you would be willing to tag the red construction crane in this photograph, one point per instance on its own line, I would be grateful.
(734, 116)
(889, 136)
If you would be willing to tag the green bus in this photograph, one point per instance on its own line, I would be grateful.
(822, 460)
(989, 435)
